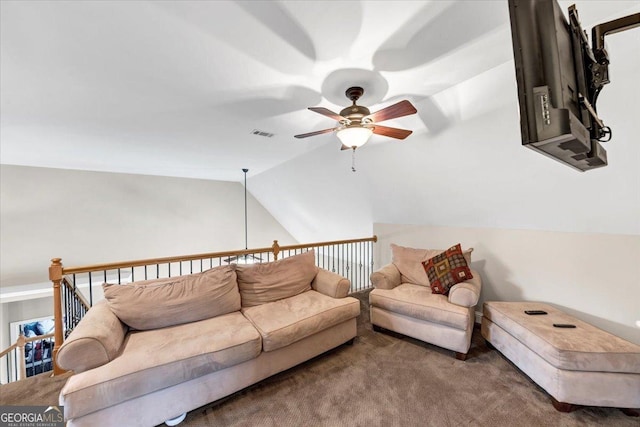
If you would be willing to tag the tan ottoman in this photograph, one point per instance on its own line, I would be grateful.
(580, 366)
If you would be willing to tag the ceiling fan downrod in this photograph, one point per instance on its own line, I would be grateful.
(354, 93)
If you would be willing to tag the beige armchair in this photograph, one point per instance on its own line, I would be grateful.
(412, 309)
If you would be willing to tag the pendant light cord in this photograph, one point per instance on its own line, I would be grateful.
(246, 245)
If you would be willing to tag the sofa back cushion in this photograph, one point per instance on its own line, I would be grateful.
(409, 262)
(153, 304)
(272, 281)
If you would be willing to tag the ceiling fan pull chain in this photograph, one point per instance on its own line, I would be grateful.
(353, 160)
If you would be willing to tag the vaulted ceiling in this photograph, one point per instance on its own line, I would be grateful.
(178, 89)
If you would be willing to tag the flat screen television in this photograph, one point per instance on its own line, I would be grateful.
(559, 78)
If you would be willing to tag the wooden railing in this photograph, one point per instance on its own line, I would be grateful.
(352, 259)
(19, 368)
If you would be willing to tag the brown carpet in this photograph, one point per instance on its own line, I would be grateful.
(42, 389)
(385, 379)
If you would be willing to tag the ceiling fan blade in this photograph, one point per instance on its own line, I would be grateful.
(402, 108)
(392, 132)
(318, 132)
(327, 112)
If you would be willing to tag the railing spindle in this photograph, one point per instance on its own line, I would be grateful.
(91, 289)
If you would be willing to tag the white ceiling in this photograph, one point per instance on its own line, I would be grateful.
(176, 88)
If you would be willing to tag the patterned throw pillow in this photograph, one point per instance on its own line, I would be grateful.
(447, 269)
(409, 262)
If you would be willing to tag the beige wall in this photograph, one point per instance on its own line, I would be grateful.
(92, 217)
(595, 277)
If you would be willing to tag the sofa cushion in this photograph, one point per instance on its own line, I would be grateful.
(420, 303)
(273, 281)
(446, 269)
(159, 303)
(155, 359)
(409, 262)
(584, 348)
(289, 320)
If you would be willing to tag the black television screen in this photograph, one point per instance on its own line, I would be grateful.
(550, 54)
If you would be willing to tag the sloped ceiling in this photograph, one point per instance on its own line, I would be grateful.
(177, 88)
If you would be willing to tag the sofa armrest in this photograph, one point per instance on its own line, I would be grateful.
(95, 341)
(388, 277)
(331, 284)
(466, 294)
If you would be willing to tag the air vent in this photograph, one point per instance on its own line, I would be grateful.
(262, 133)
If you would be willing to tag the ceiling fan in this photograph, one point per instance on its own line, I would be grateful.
(357, 123)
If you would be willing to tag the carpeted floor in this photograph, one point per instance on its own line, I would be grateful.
(385, 379)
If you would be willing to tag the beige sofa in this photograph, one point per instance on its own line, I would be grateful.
(154, 350)
(403, 301)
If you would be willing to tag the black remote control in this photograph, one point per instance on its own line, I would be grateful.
(535, 312)
(563, 325)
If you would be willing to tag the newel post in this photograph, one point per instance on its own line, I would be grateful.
(276, 250)
(55, 275)
(22, 367)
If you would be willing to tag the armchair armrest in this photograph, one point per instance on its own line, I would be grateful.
(466, 294)
(331, 284)
(95, 341)
(388, 277)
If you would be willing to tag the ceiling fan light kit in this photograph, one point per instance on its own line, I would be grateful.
(357, 123)
(354, 136)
